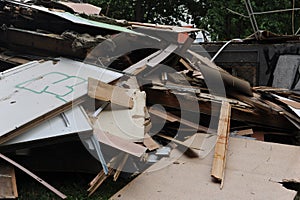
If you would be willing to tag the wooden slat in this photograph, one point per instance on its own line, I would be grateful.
(106, 92)
(121, 166)
(173, 118)
(245, 132)
(178, 142)
(99, 179)
(119, 143)
(47, 185)
(218, 167)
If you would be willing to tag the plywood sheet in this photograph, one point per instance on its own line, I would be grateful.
(35, 89)
(253, 171)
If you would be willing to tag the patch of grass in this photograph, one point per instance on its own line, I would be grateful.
(74, 185)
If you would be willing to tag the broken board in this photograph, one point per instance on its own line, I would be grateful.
(254, 170)
(125, 123)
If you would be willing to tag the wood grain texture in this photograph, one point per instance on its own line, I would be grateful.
(219, 162)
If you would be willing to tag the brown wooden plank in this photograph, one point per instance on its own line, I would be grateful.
(173, 118)
(253, 116)
(119, 143)
(99, 179)
(8, 185)
(245, 132)
(150, 143)
(106, 92)
(219, 162)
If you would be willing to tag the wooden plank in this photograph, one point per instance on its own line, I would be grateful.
(173, 118)
(219, 162)
(99, 179)
(252, 116)
(245, 132)
(150, 143)
(47, 185)
(121, 166)
(106, 92)
(186, 64)
(8, 185)
(119, 143)
(178, 142)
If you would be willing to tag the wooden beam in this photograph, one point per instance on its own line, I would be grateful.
(219, 161)
(173, 118)
(106, 92)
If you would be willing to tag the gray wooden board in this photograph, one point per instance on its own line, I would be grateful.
(253, 171)
(55, 127)
(34, 89)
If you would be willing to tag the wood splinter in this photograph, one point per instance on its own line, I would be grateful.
(219, 162)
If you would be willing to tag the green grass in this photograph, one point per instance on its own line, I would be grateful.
(74, 185)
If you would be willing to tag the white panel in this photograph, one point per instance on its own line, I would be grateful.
(56, 127)
(35, 89)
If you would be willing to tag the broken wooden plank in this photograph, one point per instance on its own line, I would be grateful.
(106, 92)
(219, 162)
(119, 143)
(121, 166)
(178, 142)
(150, 143)
(47, 185)
(8, 185)
(173, 118)
(99, 179)
(252, 116)
(245, 132)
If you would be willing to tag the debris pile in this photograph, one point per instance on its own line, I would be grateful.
(134, 96)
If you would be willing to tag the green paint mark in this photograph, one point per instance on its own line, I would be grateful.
(55, 87)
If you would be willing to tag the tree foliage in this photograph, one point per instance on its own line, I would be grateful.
(212, 15)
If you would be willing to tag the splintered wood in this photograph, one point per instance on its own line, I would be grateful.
(219, 162)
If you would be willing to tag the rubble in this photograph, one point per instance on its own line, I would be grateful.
(138, 98)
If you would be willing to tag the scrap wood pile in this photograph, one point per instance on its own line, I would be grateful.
(128, 102)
